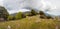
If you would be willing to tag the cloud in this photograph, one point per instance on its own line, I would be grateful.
(16, 11)
(52, 5)
(1, 2)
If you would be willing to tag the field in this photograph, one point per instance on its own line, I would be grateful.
(33, 22)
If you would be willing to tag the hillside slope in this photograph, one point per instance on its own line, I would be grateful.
(33, 22)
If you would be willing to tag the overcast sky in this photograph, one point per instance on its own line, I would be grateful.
(52, 5)
(1, 2)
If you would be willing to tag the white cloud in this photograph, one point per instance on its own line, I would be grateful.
(1, 2)
(53, 5)
(20, 10)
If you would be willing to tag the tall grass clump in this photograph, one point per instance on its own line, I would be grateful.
(44, 25)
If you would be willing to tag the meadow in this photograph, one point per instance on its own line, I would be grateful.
(33, 22)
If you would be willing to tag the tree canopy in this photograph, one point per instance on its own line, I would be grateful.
(3, 13)
(33, 12)
(19, 15)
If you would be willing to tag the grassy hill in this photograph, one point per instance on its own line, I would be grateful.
(33, 22)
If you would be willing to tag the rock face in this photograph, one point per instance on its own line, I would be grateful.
(3, 13)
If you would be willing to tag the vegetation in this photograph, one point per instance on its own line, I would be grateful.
(3, 13)
(33, 22)
(10, 18)
(33, 12)
(18, 15)
(23, 15)
(43, 15)
(49, 17)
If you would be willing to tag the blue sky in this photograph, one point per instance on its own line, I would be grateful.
(15, 5)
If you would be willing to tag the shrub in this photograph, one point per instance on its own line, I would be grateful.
(33, 12)
(30, 14)
(23, 16)
(18, 15)
(41, 13)
(43, 17)
(11, 18)
(49, 17)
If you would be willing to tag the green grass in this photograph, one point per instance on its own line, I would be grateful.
(33, 22)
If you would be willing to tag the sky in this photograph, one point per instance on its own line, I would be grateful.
(1, 2)
(53, 6)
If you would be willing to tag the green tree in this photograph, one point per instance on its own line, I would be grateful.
(33, 12)
(41, 13)
(18, 15)
(3, 13)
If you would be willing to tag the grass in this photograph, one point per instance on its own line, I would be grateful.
(33, 22)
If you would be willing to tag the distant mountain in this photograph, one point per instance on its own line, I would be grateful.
(19, 11)
(53, 16)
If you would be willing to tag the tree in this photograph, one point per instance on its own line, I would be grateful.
(33, 12)
(41, 13)
(3, 13)
(18, 15)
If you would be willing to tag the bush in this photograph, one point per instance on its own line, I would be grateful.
(41, 13)
(42, 17)
(33, 12)
(30, 14)
(49, 17)
(23, 16)
(18, 15)
(11, 18)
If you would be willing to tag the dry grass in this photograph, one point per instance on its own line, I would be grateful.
(33, 22)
